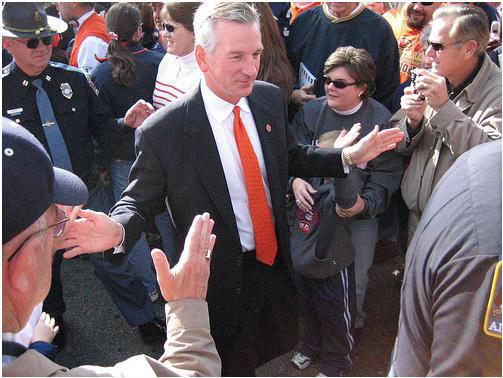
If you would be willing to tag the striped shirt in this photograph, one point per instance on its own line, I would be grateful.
(175, 77)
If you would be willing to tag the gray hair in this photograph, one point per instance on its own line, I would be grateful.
(468, 22)
(210, 13)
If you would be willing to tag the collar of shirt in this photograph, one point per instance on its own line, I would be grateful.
(189, 60)
(82, 18)
(220, 109)
(25, 81)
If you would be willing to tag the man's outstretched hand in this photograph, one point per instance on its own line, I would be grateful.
(93, 232)
(189, 277)
(373, 144)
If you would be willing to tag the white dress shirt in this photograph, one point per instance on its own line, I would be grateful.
(221, 119)
(90, 46)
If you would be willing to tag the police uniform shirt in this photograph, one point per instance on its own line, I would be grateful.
(79, 114)
(448, 277)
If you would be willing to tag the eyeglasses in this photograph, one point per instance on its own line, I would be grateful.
(169, 28)
(59, 227)
(339, 84)
(440, 46)
(34, 42)
(427, 4)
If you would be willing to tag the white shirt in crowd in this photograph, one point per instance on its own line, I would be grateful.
(221, 119)
(176, 76)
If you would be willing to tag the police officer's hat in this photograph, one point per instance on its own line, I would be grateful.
(29, 20)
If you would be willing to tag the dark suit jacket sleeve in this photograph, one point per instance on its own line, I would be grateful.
(312, 161)
(145, 195)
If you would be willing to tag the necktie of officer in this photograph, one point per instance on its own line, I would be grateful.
(57, 146)
(263, 228)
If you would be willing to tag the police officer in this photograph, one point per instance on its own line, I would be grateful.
(450, 306)
(60, 107)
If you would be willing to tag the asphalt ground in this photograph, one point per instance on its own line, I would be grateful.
(98, 335)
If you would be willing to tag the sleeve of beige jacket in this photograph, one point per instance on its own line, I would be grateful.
(407, 145)
(462, 132)
(188, 351)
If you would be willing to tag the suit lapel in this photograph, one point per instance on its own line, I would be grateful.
(266, 127)
(203, 154)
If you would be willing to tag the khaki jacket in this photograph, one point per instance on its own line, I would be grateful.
(472, 118)
(188, 351)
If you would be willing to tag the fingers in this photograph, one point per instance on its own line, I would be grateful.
(409, 90)
(390, 136)
(72, 252)
(304, 201)
(161, 265)
(311, 190)
(211, 242)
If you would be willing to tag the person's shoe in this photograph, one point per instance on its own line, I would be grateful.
(60, 338)
(301, 361)
(154, 295)
(320, 374)
(153, 331)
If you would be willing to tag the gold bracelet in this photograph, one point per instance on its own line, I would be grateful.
(347, 157)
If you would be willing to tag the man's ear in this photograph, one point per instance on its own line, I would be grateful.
(6, 43)
(22, 269)
(470, 48)
(201, 58)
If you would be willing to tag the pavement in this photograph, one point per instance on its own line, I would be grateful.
(98, 335)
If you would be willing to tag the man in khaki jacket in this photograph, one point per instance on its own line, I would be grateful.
(33, 227)
(453, 107)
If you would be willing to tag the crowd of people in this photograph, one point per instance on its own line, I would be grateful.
(260, 151)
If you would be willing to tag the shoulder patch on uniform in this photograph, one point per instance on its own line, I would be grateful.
(6, 70)
(65, 67)
(492, 321)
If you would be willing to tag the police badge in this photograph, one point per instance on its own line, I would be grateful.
(66, 90)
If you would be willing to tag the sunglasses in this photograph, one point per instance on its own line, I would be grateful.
(427, 4)
(339, 84)
(440, 46)
(34, 42)
(169, 28)
(59, 227)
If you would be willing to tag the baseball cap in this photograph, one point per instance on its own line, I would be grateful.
(30, 184)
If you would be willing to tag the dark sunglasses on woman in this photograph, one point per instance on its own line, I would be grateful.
(169, 28)
(339, 84)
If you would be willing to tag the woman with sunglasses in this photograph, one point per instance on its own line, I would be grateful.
(349, 78)
(178, 72)
(125, 76)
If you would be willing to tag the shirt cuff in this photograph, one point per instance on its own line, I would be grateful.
(345, 167)
(120, 248)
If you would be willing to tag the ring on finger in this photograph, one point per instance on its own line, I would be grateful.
(207, 254)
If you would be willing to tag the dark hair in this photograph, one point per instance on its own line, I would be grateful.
(183, 13)
(358, 63)
(147, 17)
(123, 19)
(275, 67)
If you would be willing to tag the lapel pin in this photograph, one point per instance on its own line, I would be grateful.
(268, 128)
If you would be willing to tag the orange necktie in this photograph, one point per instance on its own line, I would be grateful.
(265, 237)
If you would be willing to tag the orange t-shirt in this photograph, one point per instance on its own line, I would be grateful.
(411, 51)
(297, 7)
(409, 48)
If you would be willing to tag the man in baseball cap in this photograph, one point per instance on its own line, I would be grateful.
(32, 223)
(33, 227)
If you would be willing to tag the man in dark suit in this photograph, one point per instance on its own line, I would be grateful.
(226, 149)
